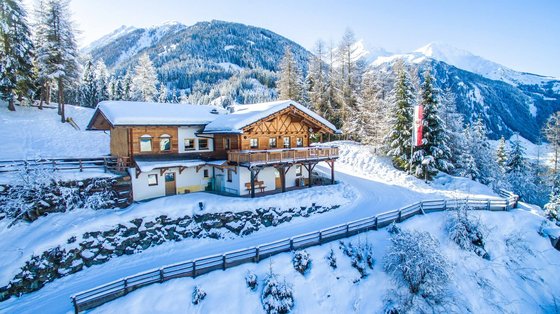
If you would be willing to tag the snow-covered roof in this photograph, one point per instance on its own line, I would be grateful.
(148, 113)
(149, 164)
(244, 115)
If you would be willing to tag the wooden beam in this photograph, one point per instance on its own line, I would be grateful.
(199, 167)
(253, 176)
(162, 171)
(181, 168)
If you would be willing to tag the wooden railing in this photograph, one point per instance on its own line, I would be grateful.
(112, 164)
(92, 298)
(272, 156)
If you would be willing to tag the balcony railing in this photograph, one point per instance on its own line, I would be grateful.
(288, 155)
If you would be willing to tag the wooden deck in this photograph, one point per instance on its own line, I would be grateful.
(281, 156)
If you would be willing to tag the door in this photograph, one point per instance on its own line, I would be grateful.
(170, 185)
(277, 179)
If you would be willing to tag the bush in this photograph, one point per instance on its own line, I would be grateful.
(331, 259)
(251, 280)
(198, 295)
(301, 261)
(361, 256)
(277, 296)
(466, 231)
(414, 262)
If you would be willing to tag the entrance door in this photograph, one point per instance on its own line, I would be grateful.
(170, 185)
(277, 179)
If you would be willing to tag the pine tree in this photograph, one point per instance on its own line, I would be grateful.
(501, 156)
(552, 134)
(399, 137)
(88, 87)
(144, 83)
(127, 87)
(102, 81)
(16, 52)
(435, 141)
(453, 127)
(57, 51)
(289, 83)
(552, 208)
(516, 162)
(519, 177)
(162, 98)
(478, 148)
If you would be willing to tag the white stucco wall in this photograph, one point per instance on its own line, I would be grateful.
(189, 132)
(189, 179)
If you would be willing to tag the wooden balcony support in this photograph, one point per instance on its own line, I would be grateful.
(249, 158)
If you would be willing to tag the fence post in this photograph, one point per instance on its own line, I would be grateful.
(487, 204)
(126, 286)
(399, 218)
(105, 165)
(161, 276)
(444, 204)
(422, 208)
(347, 230)
(81, 166)
(320, 237)
(376, 225)
(194, 269)
(224, 262)
(291, 244)
(76, 311)
(257, 254)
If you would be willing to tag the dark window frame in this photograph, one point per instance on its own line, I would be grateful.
(153, 176)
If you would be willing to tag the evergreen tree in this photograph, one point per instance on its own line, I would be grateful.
(453, 127)
(102, 81)
(317, 77)
(89, 86)
(519, 177)
(289, 83)
(435, 147)
(399, 137)
(57, 51)
(127, 87)
(144, 83)
(370, 118)
(16, 52)
(501, 156)
(119, 90)
(162, 98)
(516, 162)
(350, 71)
(552, 208)
(552, 134)
(478, 148)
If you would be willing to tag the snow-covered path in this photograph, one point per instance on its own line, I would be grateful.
(372, 197)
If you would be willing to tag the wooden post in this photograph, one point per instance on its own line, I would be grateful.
(161, 276)
(75, 305)
(257, 254)
(194, 269)
(399, 218)
(332, 172)
(81, 166)
(224, 262)
(376, 225)
(252, 183)
(126, 286)
(105, 165)
(291, 244)
(283, 178)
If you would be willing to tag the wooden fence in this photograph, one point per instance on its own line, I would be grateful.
(97, 296)
(61, 164)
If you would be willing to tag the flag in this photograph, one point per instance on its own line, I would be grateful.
(418, 118)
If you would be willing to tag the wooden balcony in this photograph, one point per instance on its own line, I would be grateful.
(281, 156)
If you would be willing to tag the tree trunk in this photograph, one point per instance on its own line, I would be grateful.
(61, 100)
(48, 93)
(11, 106)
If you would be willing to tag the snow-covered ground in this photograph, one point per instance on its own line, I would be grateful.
(521, 277)
(30, 133)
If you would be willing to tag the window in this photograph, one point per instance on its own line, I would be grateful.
(229, 175)
(299, 142)
(165, 143)
(145, 143)
(287, 142)
(206, 174)
(189, 143)
(203, 144)
(298, 170)
(152, 179)
(272, 142)
(254, 142)
(227, 143)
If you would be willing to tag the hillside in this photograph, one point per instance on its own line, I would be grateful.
(520, 276)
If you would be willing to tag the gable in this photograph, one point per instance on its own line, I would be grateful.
(99, 122)
(287, 121)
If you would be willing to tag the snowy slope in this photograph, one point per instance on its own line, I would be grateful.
(521, 277)
(30, 133)
(114, 35)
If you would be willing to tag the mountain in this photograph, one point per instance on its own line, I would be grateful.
(199, 58)
(508, 101)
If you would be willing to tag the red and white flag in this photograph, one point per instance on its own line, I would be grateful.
(418, 118)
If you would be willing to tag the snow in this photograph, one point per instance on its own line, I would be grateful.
(147, 113)
(229, 47)
(146, 165)
(111, 37)
(533, 108)
(244, 115)
(30, 133)
(229, 66)
(521, 277)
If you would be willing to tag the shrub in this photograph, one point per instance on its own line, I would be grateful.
(251, 280)
(414, 262)
(466, 231)
(198, 295)
(301, 261)
(331, 259)
(361, 256)
(277, 296)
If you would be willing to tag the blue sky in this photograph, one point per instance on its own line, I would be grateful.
(523, 35)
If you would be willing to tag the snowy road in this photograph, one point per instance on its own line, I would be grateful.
(372, 197)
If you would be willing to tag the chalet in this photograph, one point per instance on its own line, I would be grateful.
(178, 148)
